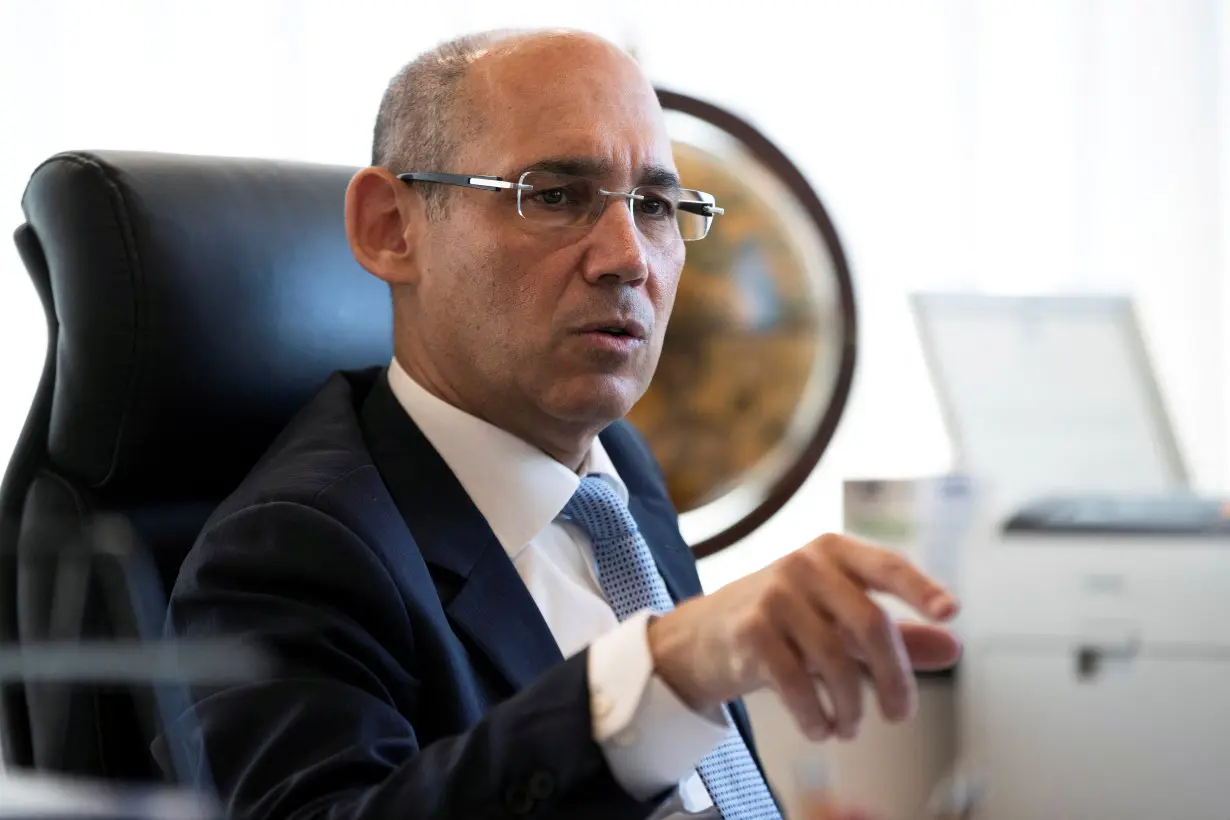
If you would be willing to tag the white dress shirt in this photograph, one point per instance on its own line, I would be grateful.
(651, 740)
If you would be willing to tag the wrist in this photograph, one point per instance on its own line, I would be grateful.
(670, 647)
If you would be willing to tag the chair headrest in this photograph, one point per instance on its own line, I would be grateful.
(199, 302)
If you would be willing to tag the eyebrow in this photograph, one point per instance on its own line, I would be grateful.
(659, 176)
(656, 175)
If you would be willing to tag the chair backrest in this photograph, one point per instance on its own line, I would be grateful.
(193, 305)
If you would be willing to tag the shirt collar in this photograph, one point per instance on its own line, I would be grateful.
(516, 487)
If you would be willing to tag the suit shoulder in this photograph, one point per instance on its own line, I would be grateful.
(316, 491)
(321, 447)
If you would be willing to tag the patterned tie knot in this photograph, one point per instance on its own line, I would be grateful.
(596, 508)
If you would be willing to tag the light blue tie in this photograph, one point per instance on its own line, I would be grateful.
(631, 583)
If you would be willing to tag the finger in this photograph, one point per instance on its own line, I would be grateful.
(853, 814)
(874, 634)
(786, 674)
(824, 655)
(886, 571)
(929, 648)
(825, 810)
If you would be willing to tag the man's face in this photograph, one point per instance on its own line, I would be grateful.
(510, 310)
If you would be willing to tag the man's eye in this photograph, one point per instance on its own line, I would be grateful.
(654, 206)
(552, 196)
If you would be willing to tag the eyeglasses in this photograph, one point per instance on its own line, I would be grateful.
(663, 214)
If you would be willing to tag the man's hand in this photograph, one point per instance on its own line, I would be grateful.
(828, 812)
(805, 617)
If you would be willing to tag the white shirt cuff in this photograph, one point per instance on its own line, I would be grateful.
(650, 738)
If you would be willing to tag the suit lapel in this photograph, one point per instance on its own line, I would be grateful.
(674, 560)
(483, 596)
(497, 612)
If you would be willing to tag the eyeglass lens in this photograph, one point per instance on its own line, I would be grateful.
(562, 201)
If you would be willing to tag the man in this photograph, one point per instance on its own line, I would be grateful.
(465, 565)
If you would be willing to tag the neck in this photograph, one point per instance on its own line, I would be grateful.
(568, 444)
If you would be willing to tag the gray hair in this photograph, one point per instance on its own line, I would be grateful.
(418, 127)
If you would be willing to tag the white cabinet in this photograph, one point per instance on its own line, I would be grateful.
(1096, 679)
(1139, 738)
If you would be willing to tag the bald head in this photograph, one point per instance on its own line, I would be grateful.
(522, 65)
(442, 98)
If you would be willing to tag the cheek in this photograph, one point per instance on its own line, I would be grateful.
(476, 281)
(464, 298)
(538, 283)
(664, 284)
(665, 297)
(518, 302)
(515, 306)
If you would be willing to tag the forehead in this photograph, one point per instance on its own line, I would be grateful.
(564, 96)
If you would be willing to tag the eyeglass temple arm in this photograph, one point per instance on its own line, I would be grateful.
(464, 180)
(702, 208)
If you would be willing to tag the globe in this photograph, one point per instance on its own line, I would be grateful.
(743, 341)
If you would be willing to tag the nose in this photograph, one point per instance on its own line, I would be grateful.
(616, 252)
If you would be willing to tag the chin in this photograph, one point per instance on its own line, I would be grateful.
(595, 399)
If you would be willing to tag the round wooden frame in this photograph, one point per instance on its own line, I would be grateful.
(767, 153)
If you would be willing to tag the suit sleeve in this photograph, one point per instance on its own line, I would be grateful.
(331, 733)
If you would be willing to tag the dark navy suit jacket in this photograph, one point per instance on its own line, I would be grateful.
(414, 675)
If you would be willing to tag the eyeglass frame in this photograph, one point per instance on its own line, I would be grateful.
(490, 183)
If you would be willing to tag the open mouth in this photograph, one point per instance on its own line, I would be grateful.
(619, 329)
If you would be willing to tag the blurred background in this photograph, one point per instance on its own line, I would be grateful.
(1050, 146)
(987, 146)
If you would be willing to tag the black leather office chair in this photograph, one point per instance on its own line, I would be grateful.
(193, 305)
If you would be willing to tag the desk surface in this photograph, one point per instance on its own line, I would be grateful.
(27, 796)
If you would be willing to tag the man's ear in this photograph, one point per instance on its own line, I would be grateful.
(383, 220)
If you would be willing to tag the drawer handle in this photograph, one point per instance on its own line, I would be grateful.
(1089, 657)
